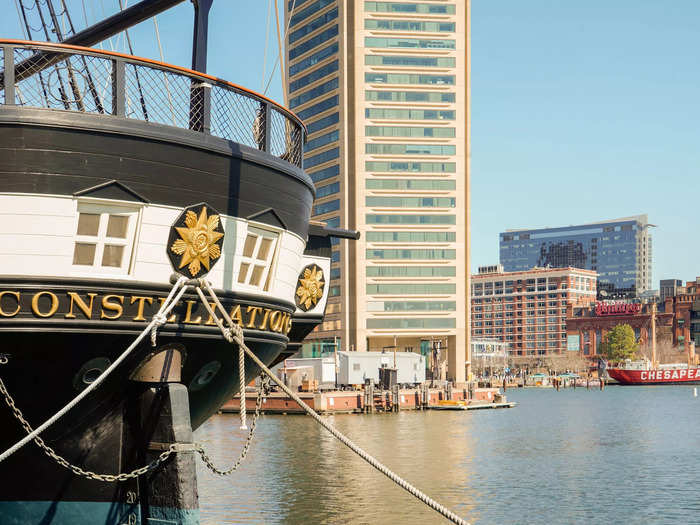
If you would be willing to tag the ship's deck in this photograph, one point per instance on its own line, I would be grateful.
(90, 81)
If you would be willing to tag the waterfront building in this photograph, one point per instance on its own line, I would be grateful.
(489, 356)
(383, 89)
(677, 322)
(587, 326)
(685, 305)
(528, 309)
(619, 250)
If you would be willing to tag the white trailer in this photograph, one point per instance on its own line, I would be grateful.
(323, 369)
(411, 368)
(356, 367)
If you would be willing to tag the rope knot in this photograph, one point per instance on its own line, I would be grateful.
(228, 335)
(159, 320)
(237, 332)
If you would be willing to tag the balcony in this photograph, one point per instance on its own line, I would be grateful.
(76, 121)
(115, 86)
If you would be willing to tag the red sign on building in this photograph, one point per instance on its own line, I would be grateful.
(617, 308)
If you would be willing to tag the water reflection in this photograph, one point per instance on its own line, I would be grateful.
(623, 455)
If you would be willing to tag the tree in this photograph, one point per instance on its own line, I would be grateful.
(620, 343)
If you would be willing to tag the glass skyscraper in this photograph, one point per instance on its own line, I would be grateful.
(619, 250)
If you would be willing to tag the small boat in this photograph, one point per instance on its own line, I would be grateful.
(540, 380)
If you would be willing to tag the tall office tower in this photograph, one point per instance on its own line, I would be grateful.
(619, 250)
(383, 88)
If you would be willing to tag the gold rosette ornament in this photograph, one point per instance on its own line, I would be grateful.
(310, 288)
(198, 241)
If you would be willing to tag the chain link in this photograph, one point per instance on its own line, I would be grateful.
(263, 391)
(50, 452)
(234, 334)
(74, 468)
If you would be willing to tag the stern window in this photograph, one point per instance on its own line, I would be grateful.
(104, 237)
(257, 258)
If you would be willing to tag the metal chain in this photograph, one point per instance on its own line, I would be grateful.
(236, 333)
(262, 391)
(169, 303)
(74, 468)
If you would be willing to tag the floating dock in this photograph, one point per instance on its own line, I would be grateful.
(360, 401)
(472, 406)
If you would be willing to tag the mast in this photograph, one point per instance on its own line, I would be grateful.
(654, 364)
(280, 47)
(200, 96)
(94, 34)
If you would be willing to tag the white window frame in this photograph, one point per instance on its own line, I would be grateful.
(105, 209)
(270, 263)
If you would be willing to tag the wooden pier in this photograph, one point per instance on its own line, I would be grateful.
(369, 400)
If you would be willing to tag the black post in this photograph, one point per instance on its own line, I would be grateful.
(9, 75)
(170, 492)
(268, 127)
(200, 96)
(160, 415)
(200, 34)
(118, 88)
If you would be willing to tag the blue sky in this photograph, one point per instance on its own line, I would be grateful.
(580, 111)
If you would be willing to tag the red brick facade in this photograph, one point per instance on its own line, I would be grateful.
(592, 326)
(685, 307)
(528, 309)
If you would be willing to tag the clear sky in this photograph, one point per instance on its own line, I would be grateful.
(581, 110)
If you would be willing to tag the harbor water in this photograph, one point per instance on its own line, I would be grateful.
(624, 455)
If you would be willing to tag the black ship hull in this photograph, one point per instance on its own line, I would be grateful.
(51, 360)
(72, 298)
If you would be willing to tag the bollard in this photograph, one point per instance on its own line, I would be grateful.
(695, 392)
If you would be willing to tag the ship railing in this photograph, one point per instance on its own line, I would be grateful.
(79, 79)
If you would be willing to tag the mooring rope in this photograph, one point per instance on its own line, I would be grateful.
(228, 333)
(164, 310)
(237, 334)
(233, 333)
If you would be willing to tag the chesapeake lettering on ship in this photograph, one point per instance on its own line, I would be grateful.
(93, 306)
(670, 375)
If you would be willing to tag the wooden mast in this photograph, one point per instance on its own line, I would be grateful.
(654, 364)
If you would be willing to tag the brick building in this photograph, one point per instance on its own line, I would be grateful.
(528, 308)
(685, 306)
(587, 326)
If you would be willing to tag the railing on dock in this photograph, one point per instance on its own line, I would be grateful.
(85, 80)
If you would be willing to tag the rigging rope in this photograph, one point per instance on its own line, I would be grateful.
(233, 333)
(237, 335)
(279, 53)
(267, 44)
(24, 29)
(165, 309)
